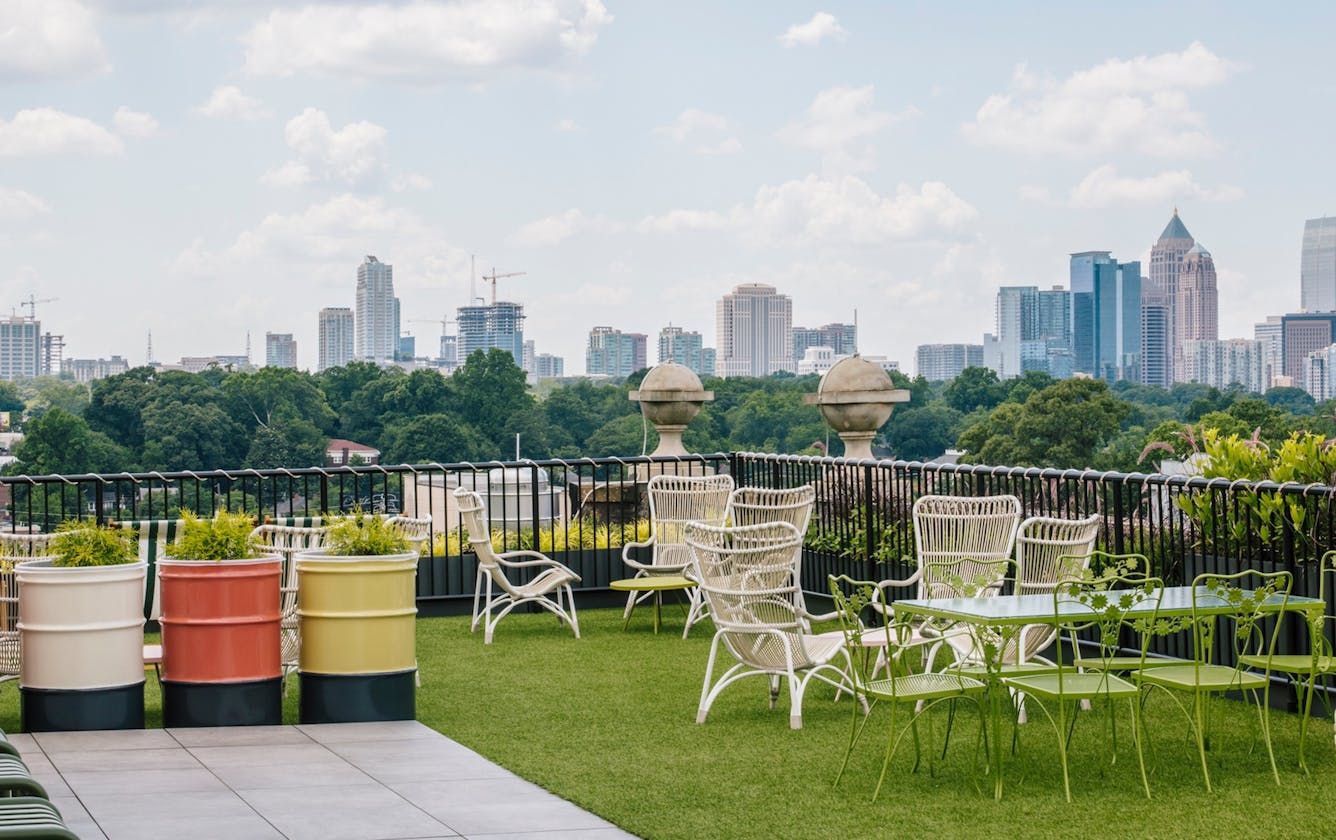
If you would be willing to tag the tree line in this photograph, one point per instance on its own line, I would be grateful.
(146, 420)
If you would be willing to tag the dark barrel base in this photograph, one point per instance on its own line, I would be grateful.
(350, 698)
(61, 710)
(255, 703)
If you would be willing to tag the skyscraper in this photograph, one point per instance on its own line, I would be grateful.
(943, 362)
(20, 348)
(1270, 333)
(1033, 331)
(1196, 315)
(1301, 333)
(753, 326)
(1106, 316)
(1225, 363)
(280, 350)
(612, 352)
(499, 325)
(1317, 266)
(1159, 303)
(686, 349)
(841, 338)
(377, 315)
(336, 337)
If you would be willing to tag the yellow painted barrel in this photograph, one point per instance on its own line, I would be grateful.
(357, 614)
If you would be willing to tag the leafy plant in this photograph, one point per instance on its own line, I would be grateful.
(81, 543)
(361, 534)
(227, 536)
(580, 536)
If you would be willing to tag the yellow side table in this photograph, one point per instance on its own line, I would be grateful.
(658, 584)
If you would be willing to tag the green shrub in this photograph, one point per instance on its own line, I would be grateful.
(227, 536)
(82, 543)
(364, 535)
(573, 538)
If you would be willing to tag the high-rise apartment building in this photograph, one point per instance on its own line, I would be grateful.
(336, 338)
(1320, 373)
(1270, 333)
(1106, 316)
(548, 366)
(20, 348)
(686, 348)
(1233, 362)
(1196, 315)
(753, 326)
(87, 370)
(612, 352)
(840, 338)
(377, 312)
(280, 350)
(1159, 303)
(499, 325)
(1302, 333)
(1317, 266)
(1033, 327)
(944, 362)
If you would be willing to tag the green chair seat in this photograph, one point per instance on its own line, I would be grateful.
(1006, 670)
(1125, 663)
(1205, 677)
(1074, 686)
(914, 687)
(1292, 663)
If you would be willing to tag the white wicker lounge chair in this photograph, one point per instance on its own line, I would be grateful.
(746, 576)
(287, 541)
(550, 588)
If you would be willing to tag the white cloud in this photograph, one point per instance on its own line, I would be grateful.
(134, 123)
(555, 229)
(1104, 187)
(37, 132)
(823, 25)
(423, 41)
(20, 206)
(49, 39)
(566, 126)
(1139, 104)
(840, 124)
(350, 155)
(412, 182)
(229, 103)
(829, 210)
(1036, 193)
(692, 123)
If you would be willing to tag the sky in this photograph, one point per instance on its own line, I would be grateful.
(207, 169)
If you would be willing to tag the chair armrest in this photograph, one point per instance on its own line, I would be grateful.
(879, 604)
(626, 548)
(541, 560)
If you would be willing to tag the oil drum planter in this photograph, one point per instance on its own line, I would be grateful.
(220, 627)
(357, 610)
(81, 633)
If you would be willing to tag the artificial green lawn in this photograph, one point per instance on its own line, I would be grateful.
(608, 721)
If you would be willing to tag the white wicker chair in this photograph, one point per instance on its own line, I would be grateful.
(746, 575)
(550, 588)
(959, 538)
(1048, 550)
(757, 505)
(674, 501)
(287, 541)
(416, 529)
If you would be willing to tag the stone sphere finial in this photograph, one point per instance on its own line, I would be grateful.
(855, 398)
(670, 397)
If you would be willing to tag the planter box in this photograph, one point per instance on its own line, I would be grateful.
(358, 630)
(220, 642)
(81, 633)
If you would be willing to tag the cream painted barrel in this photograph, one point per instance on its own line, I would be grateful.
(81, 639)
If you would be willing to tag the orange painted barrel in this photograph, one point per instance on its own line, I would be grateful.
(220, 620)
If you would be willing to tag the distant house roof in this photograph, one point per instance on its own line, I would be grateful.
(337, 446)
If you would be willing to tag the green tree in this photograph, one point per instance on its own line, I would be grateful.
(1066, 425)
(489, 388)
(58, 442)
(1293, 400)
(116, 407)
(286, 443)
(431, 438)
(975, 387)
(187, 436)
(273, 395)
(917, 434)
(622, 438)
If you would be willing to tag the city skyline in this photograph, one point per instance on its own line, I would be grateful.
(205, 170)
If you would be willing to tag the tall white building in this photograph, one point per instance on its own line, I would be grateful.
(1270, 333)
(337, 336)
(20, 348)
(1222, 363)
(944, 362)
(753, 326)
(280, 350)
(499, 325)
(686, 349)
(377, 313)
(1319, 373)
(1317, 266)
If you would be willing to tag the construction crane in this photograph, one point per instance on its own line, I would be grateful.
(494, 277)
(32, 302)
(444, 322)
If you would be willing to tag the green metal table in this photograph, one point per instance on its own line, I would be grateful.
(1006, 615)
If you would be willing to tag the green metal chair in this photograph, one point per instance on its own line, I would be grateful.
(1306, 669)
(1102, 606)
(924, 690)
(1130, 564)
(1252, 598)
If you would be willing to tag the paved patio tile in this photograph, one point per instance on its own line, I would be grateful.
(123, 760)
(104, 740)
(183, 780)
(390, 730)
(237, 736)
(612, 833)
(495, 806)
(76, 818)
(418, 761)
(139, 827)
(349, 812)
